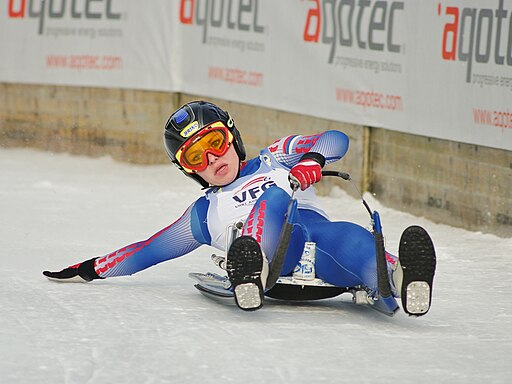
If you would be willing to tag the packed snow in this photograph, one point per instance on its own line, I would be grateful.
(155, 327)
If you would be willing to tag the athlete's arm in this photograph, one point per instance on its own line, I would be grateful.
(331, 145)
(179, 238)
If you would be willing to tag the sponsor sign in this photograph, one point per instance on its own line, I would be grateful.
(105, 43)
(435, 68)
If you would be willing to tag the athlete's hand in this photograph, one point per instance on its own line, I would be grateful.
(79, 273)
(307, 171)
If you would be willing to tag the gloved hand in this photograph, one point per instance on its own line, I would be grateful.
(307, 171)
(79, 273)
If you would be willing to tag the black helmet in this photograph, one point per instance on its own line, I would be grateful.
(204, 114)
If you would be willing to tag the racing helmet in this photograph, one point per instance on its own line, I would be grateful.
(191, 122)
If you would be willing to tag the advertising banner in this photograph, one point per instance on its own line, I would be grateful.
(105, 43)
(440, 69)
(461, 71)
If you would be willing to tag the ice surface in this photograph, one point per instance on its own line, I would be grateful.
(154, 327)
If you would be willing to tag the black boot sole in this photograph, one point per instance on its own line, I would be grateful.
(244, 265)
(418, 261)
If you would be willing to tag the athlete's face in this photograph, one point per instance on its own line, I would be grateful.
(221, 170)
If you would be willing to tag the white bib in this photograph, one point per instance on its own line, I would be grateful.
(233, 203)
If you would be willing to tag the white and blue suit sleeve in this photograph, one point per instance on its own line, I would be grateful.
(179, 238)
(288, 151)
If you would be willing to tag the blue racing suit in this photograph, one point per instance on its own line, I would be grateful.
(345, 252)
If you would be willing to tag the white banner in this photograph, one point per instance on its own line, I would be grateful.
(438, 69)
(460, 83)
(104, 43)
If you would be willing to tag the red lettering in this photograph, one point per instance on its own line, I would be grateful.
(102, 260)
(20, 12)
(187, 13)
(451, 28)
(125, 252)
(261, 221)
(118, 256)
(248, 224)
(313, 13)
(390, 259)
(286, 142)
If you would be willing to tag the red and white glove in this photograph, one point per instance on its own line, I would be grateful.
(307, 171)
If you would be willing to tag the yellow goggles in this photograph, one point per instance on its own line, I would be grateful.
(214, 139)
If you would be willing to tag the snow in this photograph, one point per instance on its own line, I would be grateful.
(154, 327)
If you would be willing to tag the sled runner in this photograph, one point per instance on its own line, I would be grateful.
(416, 253)
(218, 288)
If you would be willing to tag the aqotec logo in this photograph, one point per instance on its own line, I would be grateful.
(228, 14)
(364, 24)
(475, 34)
(52, 9)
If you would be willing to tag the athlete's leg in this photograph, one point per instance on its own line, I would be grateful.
(250, 255)
(345, 254)
(265, 222)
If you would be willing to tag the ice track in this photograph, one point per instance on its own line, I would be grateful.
(154, 327)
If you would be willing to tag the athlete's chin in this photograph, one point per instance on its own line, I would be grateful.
(225, 180)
